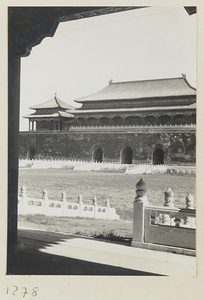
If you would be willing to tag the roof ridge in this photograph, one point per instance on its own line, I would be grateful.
(145, 80)
(186, 81)
(160, 87)
(56, 100)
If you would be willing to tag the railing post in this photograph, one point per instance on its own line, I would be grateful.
(45, 198)
(169, 198)
(64, 200)
(108, 208)
(80, 206)
(138, 211)
(24, 199)
(190, 205)
(95, 207)
(168, 202)
(189, 201)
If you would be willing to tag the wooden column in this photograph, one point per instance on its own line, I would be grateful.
(13, 133)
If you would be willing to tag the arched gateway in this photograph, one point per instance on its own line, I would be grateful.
(31, 153)
(126, 155)
(158, 157)
(97, 155)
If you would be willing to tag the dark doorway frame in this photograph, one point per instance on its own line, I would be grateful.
(31, 153)
(126, 155)
(158, 156)
(97, 155)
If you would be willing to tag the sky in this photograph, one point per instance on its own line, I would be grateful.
(83, 55)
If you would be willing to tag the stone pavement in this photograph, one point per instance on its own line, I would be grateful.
(48, 253)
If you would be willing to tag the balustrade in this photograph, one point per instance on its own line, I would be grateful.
(62, 207)
(90, 165)
(134, 125)
(154, 226)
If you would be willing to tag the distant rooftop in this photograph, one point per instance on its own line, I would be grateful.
(142, 89)
(54, 115)
(53, 103)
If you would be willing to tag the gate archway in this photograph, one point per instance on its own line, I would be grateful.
(31, 153)
(126, 155)
(158, 157)
(97, 155)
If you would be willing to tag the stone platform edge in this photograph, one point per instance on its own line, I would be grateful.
(164, 248)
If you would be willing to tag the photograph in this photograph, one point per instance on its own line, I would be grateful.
(102, 141)
(101, 149)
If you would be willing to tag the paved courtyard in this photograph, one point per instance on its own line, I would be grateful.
(47, 253)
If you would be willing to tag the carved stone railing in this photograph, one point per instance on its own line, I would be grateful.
(135, 128)
(77, 164)
(163, 228)
(63, 208)
(128, 126)
(153, 169)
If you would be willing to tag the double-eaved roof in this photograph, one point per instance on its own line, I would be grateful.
(53, 108)
(54, 115)
(142, 89)
(53, 103)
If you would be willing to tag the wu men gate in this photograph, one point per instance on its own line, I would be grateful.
(128, 122)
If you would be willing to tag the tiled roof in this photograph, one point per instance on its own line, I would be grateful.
(137, 109)
(142, 89)
(55, 115)
(53, 103)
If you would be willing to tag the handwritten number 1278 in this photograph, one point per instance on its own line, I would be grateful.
(24, 291)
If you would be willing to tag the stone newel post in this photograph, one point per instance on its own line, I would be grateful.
(64, 201)
(190, 201)
(138, 211)
(45, 194)
(190, 204)
(169, 198)
(80, 206)
(168, 202)
(95, 207)
(46, 201)
(24, 200)
(108, 208)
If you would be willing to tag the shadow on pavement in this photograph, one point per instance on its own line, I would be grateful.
(25, 258)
